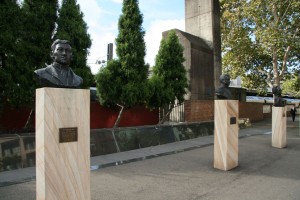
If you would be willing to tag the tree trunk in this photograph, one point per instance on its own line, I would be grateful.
(275, 67)
(269, 79)
(164, 118)
(286, 56)
(116, 125)
(28, 119)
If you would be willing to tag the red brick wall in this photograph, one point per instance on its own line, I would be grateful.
(203, 110)
(253, 111)
(198, 110)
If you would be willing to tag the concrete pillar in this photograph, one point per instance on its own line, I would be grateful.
(202, 19)
(279, 127)
(62, 144)
(226, 134)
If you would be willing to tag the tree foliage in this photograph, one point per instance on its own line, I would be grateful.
(109, 83)
(291, 86)
(10, 28)
(38, 28)
(72, 27)
(27, 32)
(260, 40)
(130, 41)
(26, 46)
(169, 82)
(122, 82)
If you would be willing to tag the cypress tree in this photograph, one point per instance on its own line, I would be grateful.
(16, 77)
(128, 74)
(122, 83)
(169, 82)
(33, 25)
(10, 16)
(72, 27)
(39, 25)
(130, 42)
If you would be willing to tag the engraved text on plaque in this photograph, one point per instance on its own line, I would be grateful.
(68, 134)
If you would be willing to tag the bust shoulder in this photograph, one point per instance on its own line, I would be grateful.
(42, 71)
(77, 80)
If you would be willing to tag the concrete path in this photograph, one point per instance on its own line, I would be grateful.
(183, 170)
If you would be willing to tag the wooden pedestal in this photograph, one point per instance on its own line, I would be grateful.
(279, 127)
(226, 134)
(62, 144)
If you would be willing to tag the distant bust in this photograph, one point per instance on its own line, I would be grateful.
(223, 91)
(278, 100)
(59, 74)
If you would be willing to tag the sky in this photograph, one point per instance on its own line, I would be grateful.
(102, 18)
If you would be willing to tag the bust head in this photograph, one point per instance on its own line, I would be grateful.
(276, 90)
(59, 74)
(223, 92)
(61, 52)
(278, 100)
(225, 80)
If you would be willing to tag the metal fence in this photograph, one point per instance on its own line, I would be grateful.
(176, 115)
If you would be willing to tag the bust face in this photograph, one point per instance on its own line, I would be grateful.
(225, 79)
(62, 54)
(276, 90)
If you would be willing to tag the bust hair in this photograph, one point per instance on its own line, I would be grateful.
(59, 41)
(223, 76)
(276, 90)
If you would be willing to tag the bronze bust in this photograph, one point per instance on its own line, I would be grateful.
(278, 100)
(223, 92)
(59, 74)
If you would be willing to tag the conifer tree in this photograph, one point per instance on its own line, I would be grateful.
(31, 28)
(130, 42)
(126, 75)
(122, 83)
(168, 83)
(72, 27)
(16, 76)
(38, 30)
(9, 28)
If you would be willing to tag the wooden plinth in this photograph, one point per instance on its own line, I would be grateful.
(62, 161)
(226, 134)
(279, 127)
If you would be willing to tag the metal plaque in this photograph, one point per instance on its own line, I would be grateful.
(232, 120)
(68, 134)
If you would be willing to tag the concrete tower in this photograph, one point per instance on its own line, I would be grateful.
(202, 19)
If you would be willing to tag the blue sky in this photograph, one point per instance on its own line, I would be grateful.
(102, 17)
